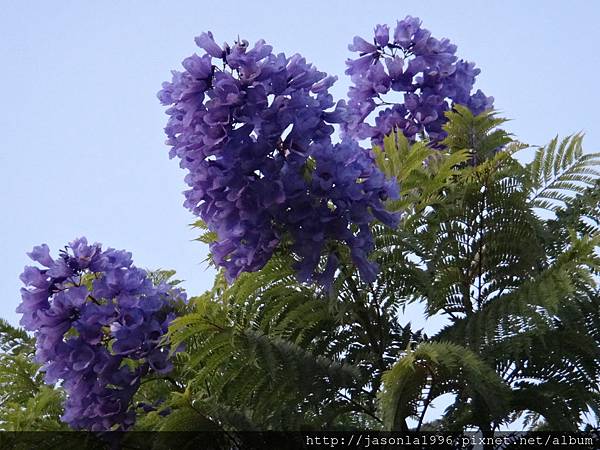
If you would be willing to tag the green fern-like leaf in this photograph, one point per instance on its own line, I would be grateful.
(560, 171)
(441, 367)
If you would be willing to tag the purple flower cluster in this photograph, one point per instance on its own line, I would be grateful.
(421, 69)
(99, 324)
(253, 130)
(344, 194)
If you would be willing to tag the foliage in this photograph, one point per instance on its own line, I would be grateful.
(25, 402)
(514, 286)
(561, 171)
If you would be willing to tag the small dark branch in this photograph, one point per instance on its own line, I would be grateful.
(450, 313)
(171, 380)
(373, 342)
(428, 400)
(217, 326)
(197, 411)
(361, 407)
(480, 232)
(480, 253)
(364, 320)
(466, 292)
(91, 297)
(378, 312)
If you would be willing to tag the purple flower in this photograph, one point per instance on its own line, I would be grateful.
(478, 102)
(88, 309)
(382, 35)
(250, 135)
(421, 67)
(362, 46)
(207, 42)
(405, 31)
(41, 254)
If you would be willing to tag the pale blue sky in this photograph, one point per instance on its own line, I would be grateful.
(82, 143)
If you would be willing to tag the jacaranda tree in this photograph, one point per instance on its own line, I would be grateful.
(324, 220)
